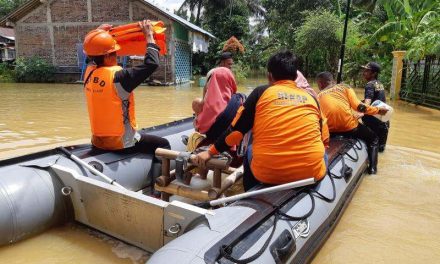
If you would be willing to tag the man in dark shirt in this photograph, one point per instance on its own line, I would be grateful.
(374, 90)
(109, 92)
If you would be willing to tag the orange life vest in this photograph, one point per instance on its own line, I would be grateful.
(111, 117)
(132, 41)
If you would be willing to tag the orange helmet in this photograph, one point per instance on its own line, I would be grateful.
(99, 42)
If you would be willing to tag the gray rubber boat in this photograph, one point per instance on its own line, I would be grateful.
(44, 189)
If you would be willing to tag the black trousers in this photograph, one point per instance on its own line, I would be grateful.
(147, 144)
(249, 180)
(362, 132)
(378, 127)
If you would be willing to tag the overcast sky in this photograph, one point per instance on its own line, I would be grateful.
(169, 4)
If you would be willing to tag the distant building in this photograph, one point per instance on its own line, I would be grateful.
(7, 44)
(55, 29)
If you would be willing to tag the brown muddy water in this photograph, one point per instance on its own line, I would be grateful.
(394, 216)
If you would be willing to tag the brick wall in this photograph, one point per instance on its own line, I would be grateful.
(69, 10)
(104, 10)
(65, 40)
(56, 41)
(37, 16)
(33, 41)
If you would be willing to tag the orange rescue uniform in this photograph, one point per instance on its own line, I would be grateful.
(338, 104)
(289, 133)
(112, 119)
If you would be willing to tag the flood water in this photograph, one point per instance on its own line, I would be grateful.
(394, 216)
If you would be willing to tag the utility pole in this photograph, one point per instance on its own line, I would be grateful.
(344, 37)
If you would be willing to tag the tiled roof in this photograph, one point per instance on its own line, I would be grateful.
(7, 33)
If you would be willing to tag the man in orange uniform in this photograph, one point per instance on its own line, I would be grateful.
(289, 132)
(109, 92)
(339, 104)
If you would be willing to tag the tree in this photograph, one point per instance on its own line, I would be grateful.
(397, 24)
(405, 20)
(6, 6)
(318, 40)
(426, 43)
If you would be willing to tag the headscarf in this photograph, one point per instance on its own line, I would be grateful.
(301, 82)
(220, 87)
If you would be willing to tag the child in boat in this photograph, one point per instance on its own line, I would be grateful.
(197, 106)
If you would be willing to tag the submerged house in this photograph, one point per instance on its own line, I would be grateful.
(7, 44)
(55, 29)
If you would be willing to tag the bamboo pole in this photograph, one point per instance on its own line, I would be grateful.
(184, 191)
(215, 193)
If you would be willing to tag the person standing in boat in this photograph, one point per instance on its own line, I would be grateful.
(339, 103)
(374, 90)
(289, 131)
(109, 92)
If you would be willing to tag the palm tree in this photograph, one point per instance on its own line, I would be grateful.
(197, 6)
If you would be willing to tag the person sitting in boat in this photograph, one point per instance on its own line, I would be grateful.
(109, 92)
(302, 82)
(374, 90)
(221, 90)
(226, 60)
(339, 103)
(289, 131)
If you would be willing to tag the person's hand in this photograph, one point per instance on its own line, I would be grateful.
(147, 29)
(383, 111)
(106, 27)
(358, 115)
(201, 159)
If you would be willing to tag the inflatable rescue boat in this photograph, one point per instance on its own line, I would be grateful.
(40, 190)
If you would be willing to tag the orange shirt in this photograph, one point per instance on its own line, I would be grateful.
(288, 141)
(338, 104)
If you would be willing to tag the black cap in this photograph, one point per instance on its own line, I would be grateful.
(372, 66)
(226, 55)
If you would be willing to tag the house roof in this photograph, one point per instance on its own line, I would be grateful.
(19, 12)
(177, 18)
(7, 33)
(32, 4)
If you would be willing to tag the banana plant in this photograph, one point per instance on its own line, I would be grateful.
(406, 20)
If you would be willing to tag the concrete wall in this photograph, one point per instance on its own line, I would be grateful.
(53, 30)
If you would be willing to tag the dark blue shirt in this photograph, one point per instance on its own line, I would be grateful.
(374, 90)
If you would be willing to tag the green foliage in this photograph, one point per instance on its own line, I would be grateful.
(6, 73)
(283, 17)
(227, 19)
(318, 40)
(405, 20)
(426, 43)
(313, 29)
(6, 6)
(34, 69)
(241, 70)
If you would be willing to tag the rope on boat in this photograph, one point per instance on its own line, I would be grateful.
(226, 250)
